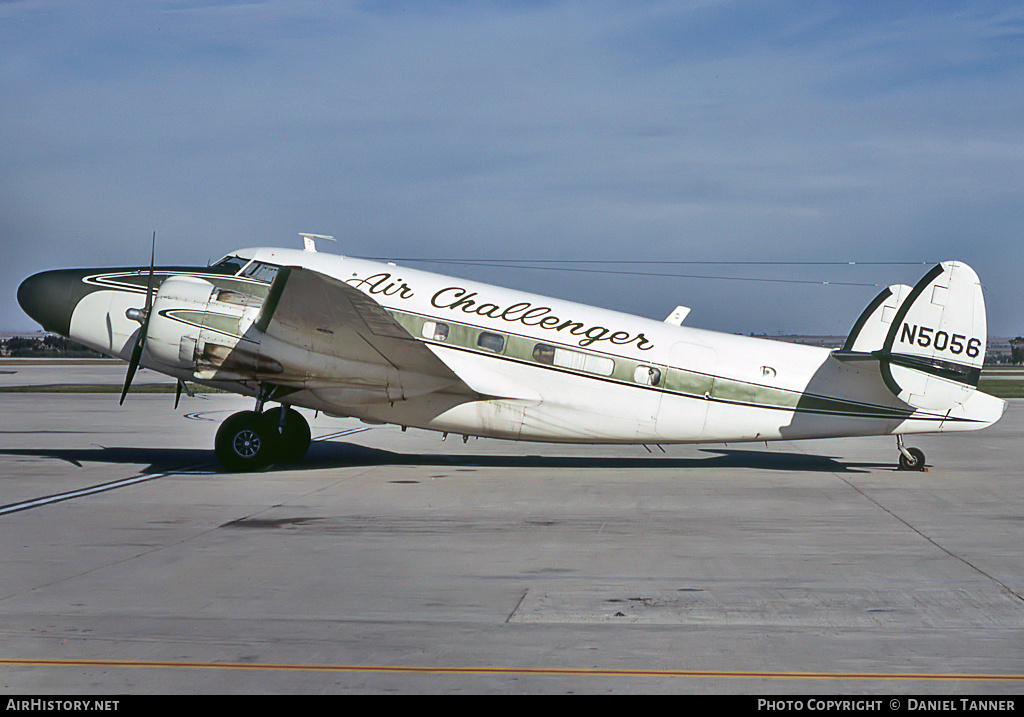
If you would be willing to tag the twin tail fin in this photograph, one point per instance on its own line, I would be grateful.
(929, 339)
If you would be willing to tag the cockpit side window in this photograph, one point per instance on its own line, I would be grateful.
(260, 272)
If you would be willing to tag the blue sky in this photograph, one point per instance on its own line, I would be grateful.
(621, 131)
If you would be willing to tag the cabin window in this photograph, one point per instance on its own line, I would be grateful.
(491, 342)
(647, 375)
(435, 331)
(576, 360)
(542, 353)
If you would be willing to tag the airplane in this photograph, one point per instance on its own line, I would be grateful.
(350, 337)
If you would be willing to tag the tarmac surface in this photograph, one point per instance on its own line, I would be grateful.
(395, 562)
(17, 373)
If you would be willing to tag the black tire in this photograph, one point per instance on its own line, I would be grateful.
(292, 439)
(915, 462)
(244, 442)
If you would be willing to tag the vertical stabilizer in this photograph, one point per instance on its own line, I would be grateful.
(934, 348)
(869, 333)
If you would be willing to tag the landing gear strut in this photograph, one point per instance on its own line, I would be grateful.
(250, 440)
(911, 459)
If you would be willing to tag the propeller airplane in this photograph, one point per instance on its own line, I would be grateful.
(356, 338)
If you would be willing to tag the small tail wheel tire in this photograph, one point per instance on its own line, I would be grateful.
(915, 462)
(245, 442)
(292, 438)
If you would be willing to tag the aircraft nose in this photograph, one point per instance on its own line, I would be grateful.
(50, 297)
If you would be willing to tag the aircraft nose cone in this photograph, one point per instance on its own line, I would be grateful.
(50, 298)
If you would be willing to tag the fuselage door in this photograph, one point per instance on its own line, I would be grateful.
(688, 387)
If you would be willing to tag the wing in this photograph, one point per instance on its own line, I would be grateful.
(353, 343)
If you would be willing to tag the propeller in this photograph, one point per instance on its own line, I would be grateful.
(142, 316)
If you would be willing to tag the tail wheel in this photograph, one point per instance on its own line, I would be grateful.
(245, 442)
(912, 462)
(292, 438)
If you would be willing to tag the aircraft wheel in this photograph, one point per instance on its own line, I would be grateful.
(292, 439)
(244, 442)
(915, 462)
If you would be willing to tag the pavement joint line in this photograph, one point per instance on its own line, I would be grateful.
(933, 541)
(928, 538)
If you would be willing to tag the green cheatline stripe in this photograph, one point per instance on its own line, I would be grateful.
(102, 388)
(550, 671)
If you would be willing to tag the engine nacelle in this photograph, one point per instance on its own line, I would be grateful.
(178, 315)
(198, 326)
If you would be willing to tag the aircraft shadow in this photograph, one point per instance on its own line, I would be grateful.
(326, 454)
(156, 460)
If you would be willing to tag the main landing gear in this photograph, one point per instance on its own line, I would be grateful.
(911, 459)
(250, 440)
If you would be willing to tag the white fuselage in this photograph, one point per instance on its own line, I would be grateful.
(543, 369)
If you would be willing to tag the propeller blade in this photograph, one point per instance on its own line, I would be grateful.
(177, 393)
(133, 364)
(136, 357)
(149, 283)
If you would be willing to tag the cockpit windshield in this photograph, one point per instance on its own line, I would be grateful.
(230, 264)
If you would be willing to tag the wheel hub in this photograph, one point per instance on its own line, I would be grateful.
(247, 443)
